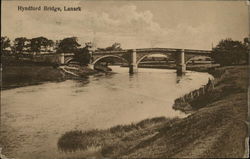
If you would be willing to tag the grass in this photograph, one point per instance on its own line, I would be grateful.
(216, 129)
(17, 73)
(81, 140)
(17, 76)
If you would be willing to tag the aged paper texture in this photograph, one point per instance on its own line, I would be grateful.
(124, 79)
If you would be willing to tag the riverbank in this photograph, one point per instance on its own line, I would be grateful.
(217, 127)
(19, 76)
(17, 73)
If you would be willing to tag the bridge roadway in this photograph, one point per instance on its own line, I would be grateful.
(167, 50)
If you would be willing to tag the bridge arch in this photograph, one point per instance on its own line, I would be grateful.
(105, 56)
(150, 54)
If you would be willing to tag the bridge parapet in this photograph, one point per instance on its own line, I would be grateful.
(142, 50)
(201, 52)
(110, 52)
(157, 50)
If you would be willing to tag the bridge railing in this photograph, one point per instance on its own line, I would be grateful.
(123, 51)
(138, 50)
(110, 52)
(155, 50)
(158, 49)
(198, 51)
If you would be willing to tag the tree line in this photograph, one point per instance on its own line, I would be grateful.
(231, 52)
(44, 45)
(38, 45)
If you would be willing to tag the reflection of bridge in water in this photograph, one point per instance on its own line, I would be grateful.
(134, 56)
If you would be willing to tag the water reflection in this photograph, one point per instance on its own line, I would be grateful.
(82, 82)
(178, 78)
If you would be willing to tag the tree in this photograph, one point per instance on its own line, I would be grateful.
(246, 41)
(83, 55)
(21, 44)
(68, 45)
(40, 42)
(5, 43)
(229, 52)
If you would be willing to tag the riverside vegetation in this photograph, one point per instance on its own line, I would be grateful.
(215, 128)
(19, 73)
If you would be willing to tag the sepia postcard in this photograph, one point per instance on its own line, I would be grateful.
(124, 79)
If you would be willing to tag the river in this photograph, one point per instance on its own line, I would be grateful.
(34, 117)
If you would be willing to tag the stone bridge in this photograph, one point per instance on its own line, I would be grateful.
(134, 56)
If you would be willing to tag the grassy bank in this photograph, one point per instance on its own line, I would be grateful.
(216, 129)
(19, 73)
(16, 76)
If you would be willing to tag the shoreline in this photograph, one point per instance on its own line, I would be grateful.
(20, 73)
(215, 128)
(21, 76)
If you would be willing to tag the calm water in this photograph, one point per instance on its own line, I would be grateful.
(34, 117)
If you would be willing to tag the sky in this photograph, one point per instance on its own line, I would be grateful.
(134, 24)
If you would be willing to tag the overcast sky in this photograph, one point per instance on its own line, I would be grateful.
(135, 24)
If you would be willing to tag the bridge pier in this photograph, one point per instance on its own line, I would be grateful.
(133, 65)
(181, 66)
(91, 66)
(61, 59)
